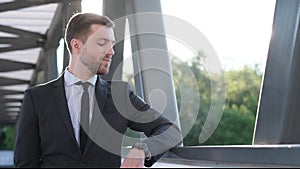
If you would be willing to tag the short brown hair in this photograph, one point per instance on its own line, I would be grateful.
(79, 26)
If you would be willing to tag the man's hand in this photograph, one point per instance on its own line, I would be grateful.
(134, 159)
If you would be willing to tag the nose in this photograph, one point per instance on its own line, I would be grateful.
(110, 51)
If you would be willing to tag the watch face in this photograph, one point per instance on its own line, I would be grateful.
(140, 145)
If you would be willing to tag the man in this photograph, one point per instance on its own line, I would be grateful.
(79, 120)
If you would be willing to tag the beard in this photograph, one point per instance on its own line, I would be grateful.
(103, 68)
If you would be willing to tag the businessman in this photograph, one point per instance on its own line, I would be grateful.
(79, 119)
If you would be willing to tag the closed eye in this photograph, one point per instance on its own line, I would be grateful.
(101, 44)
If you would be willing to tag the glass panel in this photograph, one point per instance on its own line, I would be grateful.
(239, 32)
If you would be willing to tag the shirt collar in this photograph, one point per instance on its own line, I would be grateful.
(71, 79)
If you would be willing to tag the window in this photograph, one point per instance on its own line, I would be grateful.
(239, 33)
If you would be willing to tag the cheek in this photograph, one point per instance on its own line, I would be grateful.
(98, 51)
(94, 53)
(91, 49)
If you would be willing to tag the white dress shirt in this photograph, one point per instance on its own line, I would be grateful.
(74, 93)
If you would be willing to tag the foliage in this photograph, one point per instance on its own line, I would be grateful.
(7, 138)
(237, 124)
(235, 128)
(242, 89)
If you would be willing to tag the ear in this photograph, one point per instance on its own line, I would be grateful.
(76, 46)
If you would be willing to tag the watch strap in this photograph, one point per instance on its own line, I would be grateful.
(143, 146)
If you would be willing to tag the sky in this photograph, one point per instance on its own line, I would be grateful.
(238, 30)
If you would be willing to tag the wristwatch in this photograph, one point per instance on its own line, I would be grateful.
(143, 146)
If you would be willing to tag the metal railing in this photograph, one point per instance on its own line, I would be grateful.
(215, 156)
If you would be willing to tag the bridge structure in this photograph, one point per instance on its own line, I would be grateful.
(30, 34)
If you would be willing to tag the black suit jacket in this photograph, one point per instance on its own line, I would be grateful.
(45, 136)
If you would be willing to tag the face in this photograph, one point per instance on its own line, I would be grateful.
(97, 52)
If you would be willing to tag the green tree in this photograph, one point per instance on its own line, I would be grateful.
(182, 76)
(237, 124)
(7, 137)
(242, 88)
(235, 128)
(2, 138)
(10, 137)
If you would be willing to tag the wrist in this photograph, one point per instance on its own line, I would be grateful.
(138, 153)
(144, 147)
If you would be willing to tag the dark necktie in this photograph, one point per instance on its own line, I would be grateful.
(84, 117)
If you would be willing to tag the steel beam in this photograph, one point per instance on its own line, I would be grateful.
(9, 92)
(241, 156)
(6, 100)
(47, 63)
(32, 39)
(8, 107)
(8, 118)
(70, 8)
(8, 81)
(278, 114)
(46, 67)
(116, 10)
(8, 65)
(19, 4)
(152, 67)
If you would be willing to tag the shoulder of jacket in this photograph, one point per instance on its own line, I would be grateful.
(44, 86)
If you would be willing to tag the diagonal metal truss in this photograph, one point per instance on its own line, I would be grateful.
(32, 39)
(8, 65)
(18, 4)
(25, 26)
(17, 34)
(8, 81)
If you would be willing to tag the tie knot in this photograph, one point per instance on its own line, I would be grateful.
(85, 85)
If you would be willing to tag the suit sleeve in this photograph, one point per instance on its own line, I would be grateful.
(162, 134)
(27, 150)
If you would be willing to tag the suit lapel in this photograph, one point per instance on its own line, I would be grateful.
(61, 101)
